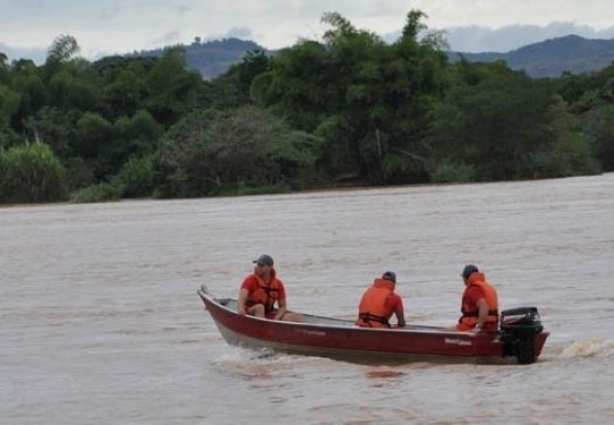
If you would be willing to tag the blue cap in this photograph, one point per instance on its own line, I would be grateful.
(469, 268)
(264, 260)
(391, 276)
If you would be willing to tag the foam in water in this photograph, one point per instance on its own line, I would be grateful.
(590, 348)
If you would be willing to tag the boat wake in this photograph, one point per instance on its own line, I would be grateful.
(590, 348)
(242, 356)
(264, 363)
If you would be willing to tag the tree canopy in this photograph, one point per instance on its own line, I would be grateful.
(345, 107)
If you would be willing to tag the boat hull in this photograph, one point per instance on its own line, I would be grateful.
(341, 339)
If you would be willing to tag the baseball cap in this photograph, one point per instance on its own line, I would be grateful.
(391, 276)
(264, 260)
(469, 268)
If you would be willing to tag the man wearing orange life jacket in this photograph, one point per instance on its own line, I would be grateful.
(261, 290)
(379, 302)
(480, 306)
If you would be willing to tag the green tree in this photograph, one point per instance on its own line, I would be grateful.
(28, 82)
(123, 83)
(233, 88)
(134, 137)
(297, 86)
(137, 176)
(31, 173)
(5, 73)
(93, 133)
(56, 127)
(9, 106)
(599, 127)
(213, 150)
(369, 100)
(503, 125)
(254, 63)
(71, 88)
(63, 48)
(171, 91)
(138, 134)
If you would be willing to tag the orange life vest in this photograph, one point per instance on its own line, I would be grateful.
(470, 312)
(266, 294)
(372, 310)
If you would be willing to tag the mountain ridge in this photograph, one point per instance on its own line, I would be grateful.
(550, 58)
(212, 58)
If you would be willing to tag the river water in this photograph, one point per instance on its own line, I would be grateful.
(100, 322)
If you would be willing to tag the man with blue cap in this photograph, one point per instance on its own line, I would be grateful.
(480, 304)
(261, 290)
(379, 302)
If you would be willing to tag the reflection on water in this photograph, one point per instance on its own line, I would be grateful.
(100, 321)
(384, 372)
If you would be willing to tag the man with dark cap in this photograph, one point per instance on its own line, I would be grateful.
(261, 290)
(379, 302)
(480, 306)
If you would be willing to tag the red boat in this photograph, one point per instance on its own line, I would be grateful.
(520, 339)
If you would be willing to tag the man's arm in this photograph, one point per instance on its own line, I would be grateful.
(482, 313)
(243, 293)
(282, 309)
(400, 319)
(398, 312)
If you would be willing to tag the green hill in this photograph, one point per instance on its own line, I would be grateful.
(548, 58)
(213, 58)
(552, 57)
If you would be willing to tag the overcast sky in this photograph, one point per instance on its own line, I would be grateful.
(104, 27)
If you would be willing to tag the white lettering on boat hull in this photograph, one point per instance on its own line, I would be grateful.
(457, 341)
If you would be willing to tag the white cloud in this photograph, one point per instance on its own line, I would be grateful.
(239, 32)
(172, 37)
(500, 13)
(481, 39)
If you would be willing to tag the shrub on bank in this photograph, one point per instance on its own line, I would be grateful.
(101, 192)
(31, 173)
(453, 173)
(137, 177)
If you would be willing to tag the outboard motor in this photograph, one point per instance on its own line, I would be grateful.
(518, 327)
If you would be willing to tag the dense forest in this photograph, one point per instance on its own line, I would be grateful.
(346, 109)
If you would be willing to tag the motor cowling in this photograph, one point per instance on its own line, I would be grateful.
(518, 327)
